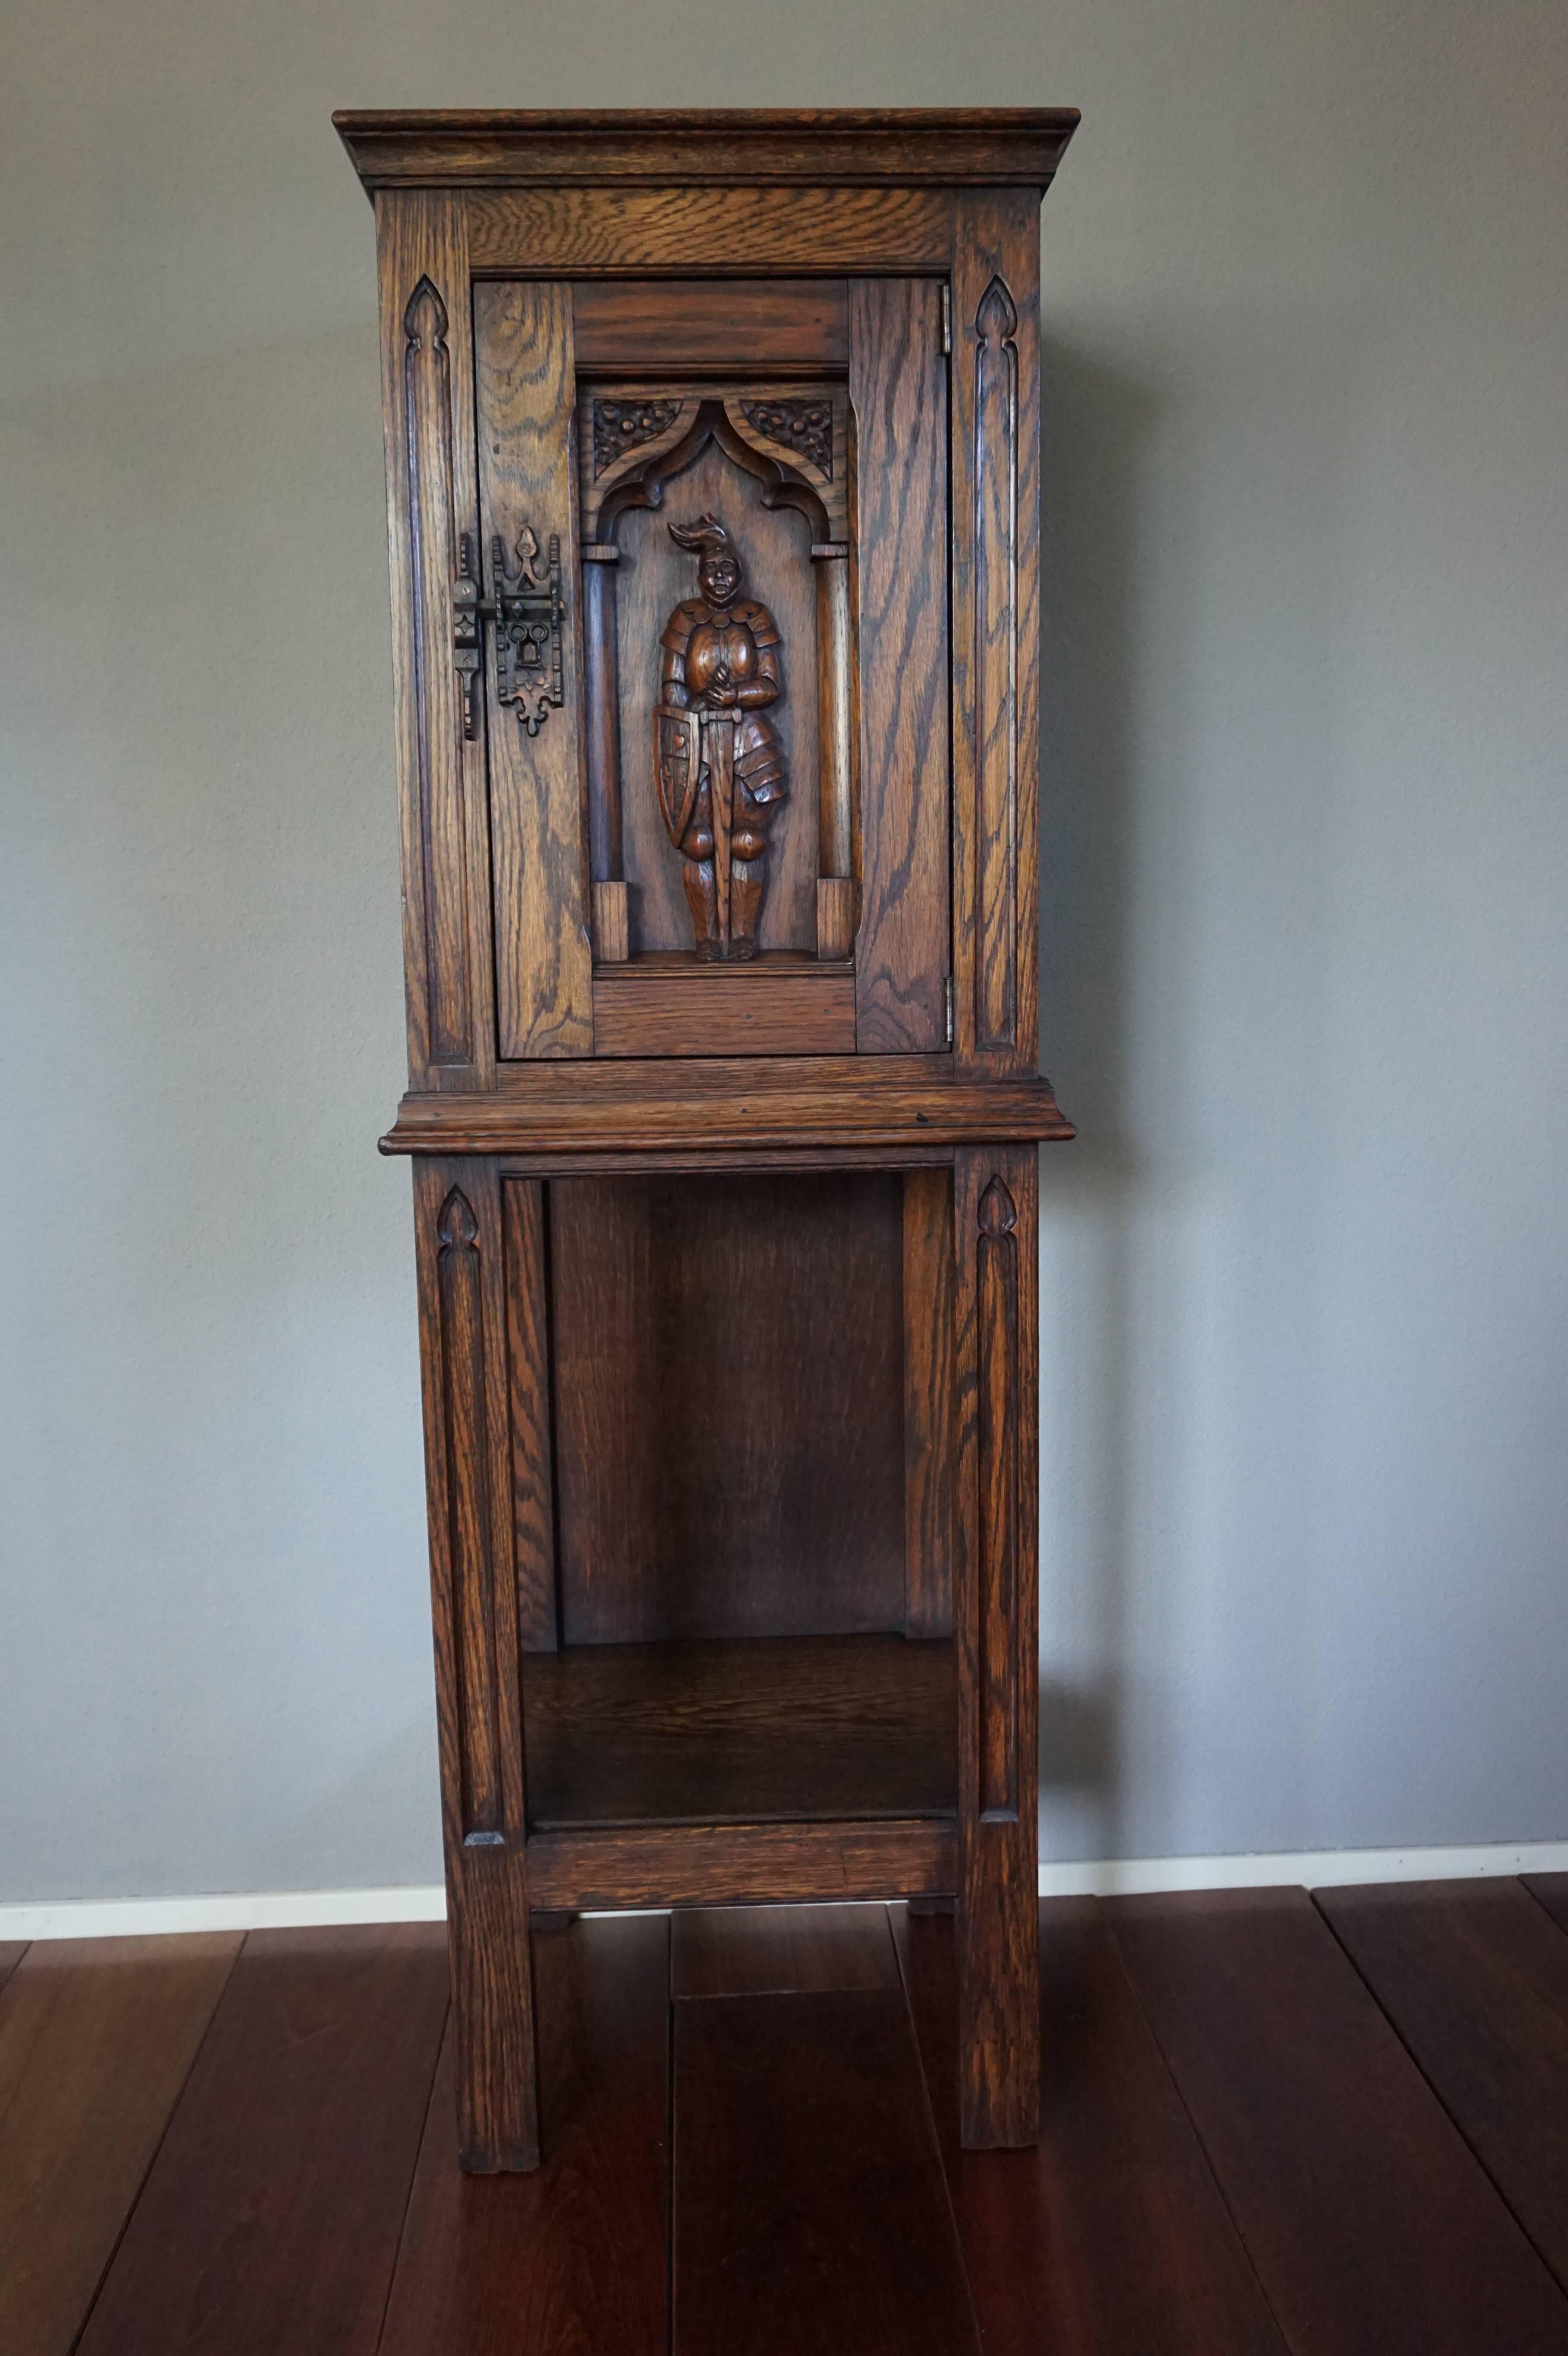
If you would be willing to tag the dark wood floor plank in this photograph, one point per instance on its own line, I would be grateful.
(271, 2218)
(781, 1951)
(1473, 1976)
(574, 2260)
(97, 2037)
(1371, 2223)
(11, 1953)
(1551, 1891)
(1113, 2239)
(811, 2217)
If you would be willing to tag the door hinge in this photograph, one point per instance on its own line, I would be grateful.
(947, 1003)
(527, 610)
(946, 315)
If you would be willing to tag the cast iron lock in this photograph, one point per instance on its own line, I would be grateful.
(527, 610)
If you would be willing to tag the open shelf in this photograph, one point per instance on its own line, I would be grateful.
(756, 1731)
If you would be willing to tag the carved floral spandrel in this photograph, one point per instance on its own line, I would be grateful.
(804, 427)
(622, 425)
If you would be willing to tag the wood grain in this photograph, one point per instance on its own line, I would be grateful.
(928, 1402)
(688, 1331)
(720, 1864)
(814, 1726)
(996, 628)
(572, 2261)
(96, 2039)
(781, 1951)
(1114, 2238)
(897, 385)
(1473, 1976)
(525, 383)
(427, 395)
(11, 1953)
(1551, 1891)
(527, 1365)
(1370, 2223)
(996, 1620)
(463, 1315)
(612, 923)
(810, 2211)
(711, 145)
(575, 233)
(791, 1007)
(272, 2215)
(725, 1103)
(712, 324)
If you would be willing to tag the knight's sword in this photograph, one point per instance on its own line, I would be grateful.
(721, 778)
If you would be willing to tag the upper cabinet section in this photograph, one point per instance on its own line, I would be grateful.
(713, 490)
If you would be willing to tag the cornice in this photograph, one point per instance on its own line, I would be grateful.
(841, 147)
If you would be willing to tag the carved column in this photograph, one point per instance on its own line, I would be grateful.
(835, 695)
(997, 1349)
(462, 1328)
(601, 682)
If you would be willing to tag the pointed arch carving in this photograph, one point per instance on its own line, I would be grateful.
(699, 421)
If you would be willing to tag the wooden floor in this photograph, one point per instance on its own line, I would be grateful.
(1336, 2125)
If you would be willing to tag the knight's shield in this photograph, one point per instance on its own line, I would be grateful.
(676, 764)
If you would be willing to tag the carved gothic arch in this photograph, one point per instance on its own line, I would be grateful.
(638, 479)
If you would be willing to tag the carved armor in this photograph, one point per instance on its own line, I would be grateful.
(717, 761)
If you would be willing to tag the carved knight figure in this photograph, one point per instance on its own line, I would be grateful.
(717, 759)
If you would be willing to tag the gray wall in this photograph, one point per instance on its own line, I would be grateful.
(1306, 824)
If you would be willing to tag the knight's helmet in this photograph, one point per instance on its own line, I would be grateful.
(706, 537)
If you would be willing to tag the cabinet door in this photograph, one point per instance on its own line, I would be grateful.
(720, 819)
(524, 381)
(897, 385)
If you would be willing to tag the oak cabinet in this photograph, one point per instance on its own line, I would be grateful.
(712, 453)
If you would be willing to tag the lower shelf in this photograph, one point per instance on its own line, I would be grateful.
(779, 1729)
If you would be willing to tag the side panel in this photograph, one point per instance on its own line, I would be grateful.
(427, 406)
(996, 628)
(544, 964)
(897, 385)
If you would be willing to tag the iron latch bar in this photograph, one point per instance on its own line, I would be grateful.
(527, 610)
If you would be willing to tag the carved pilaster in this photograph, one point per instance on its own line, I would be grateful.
(997, 664)
(431, 503)
(996, 1624)
(995, 629)
(468, 1472)
(469, 1533)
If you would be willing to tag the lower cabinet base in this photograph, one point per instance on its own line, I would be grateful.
(734, 1521)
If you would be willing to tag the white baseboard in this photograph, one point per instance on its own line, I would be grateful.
(1309, 1869)
(1104, 1878)
(250, 1910)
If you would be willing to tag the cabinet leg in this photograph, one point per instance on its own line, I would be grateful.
(997, 1349)
(493, 2013)
(462, 1358)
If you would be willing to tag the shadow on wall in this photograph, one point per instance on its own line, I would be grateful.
(1097, 422)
